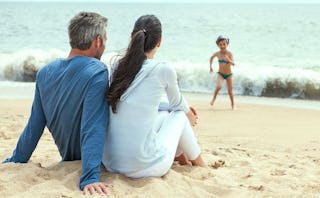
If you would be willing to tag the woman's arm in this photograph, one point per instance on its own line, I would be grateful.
(175, 98)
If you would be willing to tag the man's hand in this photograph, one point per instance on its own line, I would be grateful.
(98, 187)
(192, 116)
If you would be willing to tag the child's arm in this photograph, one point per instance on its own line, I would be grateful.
(211, 60)
(229, 58)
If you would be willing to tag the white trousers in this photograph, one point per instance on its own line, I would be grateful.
(177, 136)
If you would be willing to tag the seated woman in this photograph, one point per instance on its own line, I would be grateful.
(143, 141)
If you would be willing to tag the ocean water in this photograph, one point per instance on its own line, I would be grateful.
(275, 46)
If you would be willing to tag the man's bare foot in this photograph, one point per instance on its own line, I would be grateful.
(183, 160)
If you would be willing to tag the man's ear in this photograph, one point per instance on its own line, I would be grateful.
(97, 41)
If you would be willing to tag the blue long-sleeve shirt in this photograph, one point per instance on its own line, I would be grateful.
(70, 100)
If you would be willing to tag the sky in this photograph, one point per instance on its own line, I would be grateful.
(182, 1)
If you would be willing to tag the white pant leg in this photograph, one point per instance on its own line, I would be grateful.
(173, 129)
(177, 136)
(179, 151)
(188, 143)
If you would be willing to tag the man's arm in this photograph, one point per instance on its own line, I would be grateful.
(93, 129)
(32, 132)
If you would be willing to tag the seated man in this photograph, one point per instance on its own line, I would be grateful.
(70, 101)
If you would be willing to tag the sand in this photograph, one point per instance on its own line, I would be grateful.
(259, 150)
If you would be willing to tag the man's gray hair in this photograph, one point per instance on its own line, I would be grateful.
(84, 28)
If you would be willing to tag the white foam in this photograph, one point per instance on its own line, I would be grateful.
(246, 77)
(12, 65)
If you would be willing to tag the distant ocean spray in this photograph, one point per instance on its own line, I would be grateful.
(275, 46)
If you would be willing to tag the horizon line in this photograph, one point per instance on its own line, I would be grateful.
(154, 2)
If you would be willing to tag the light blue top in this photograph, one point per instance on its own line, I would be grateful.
(132, 144)
(70, 101)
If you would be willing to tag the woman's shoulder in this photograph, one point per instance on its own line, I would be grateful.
(162, 69)
(165, 68)
(161, 65)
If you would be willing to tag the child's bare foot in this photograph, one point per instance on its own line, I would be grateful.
(211, 103)
(183, 160)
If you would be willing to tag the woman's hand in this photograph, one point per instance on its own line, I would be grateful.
(192, 116)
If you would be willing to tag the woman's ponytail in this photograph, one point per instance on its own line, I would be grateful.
(144, 37)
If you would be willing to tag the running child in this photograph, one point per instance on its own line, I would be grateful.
(225, 60)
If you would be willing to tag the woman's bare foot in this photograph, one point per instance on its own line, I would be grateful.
(183, 160)
(198, 162)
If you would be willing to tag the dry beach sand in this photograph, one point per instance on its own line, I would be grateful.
(259, 150)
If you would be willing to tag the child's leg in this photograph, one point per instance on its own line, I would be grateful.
(230, 92)
(218, 87)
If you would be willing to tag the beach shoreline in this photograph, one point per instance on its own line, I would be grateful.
(24, 91)
(260, 149)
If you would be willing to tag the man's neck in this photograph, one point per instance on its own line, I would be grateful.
(77, 52)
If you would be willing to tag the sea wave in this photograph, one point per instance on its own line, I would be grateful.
(253, 80)
(22, 66)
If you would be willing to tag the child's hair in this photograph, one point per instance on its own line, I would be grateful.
(221, 38)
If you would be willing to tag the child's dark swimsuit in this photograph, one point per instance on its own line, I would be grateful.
(224, 76)
(223, 61)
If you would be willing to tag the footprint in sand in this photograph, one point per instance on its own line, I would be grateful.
(278, 172)
(292, 166)
(214, 153)
(218, 164)
(257, 188)
(3, 136)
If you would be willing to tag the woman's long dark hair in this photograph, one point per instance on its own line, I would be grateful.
(144, 37)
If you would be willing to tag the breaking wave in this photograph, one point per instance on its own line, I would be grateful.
(268, 81)
(253, 80)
